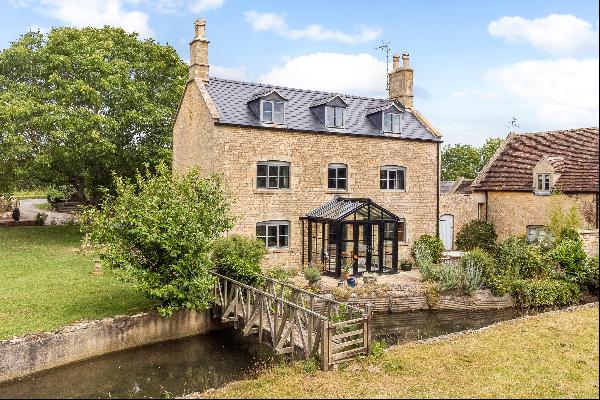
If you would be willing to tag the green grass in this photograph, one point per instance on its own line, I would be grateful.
(31, 194)
(44, 207)
(551, 355)
(46, 282)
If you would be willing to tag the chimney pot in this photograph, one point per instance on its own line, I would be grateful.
(199, 52)
(199, 28)
(405, 57)
(396, 61)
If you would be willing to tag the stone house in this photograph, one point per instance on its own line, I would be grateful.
(531, 172)
(458, 206)
(319, 177)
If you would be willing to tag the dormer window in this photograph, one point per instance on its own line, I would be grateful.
(543, 183)
(391, 122)
(334, 116)
(272, 111)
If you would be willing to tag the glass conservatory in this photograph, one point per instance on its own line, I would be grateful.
(354, 233)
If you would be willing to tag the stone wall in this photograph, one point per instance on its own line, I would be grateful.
(590, 241)
(309, 154)
(463, 207)
(34, 353)
(512, 212)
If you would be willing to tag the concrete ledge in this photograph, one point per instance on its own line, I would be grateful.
(33, 353)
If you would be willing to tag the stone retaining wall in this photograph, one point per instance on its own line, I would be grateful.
(33, 353)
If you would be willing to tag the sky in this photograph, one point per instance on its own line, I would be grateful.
(477, 64)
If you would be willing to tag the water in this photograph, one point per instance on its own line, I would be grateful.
(179, 367)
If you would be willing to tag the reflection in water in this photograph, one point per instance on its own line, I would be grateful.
(193, 364)
(159, 370)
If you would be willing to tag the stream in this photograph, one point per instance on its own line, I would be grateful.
(197, 363)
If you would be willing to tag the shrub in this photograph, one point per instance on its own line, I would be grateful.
(16, 214)
(40, 218)
(477, 233)
(544, 292)
(59, 193)
(517, 259)
(563, 223)
(448, 277)
(434, 245)
(238, 257)
(424, 260)
(472, 277)
(480, 260)
(312, 274)
(591, 272)
(281, 273)
(159, 230)
(570, 255)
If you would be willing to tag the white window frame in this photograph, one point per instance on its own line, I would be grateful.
(335, 110)
(275, 226)
(546, 181)
(274, 119)
(541, 231)
(394, 116)
(387, 179)
(268, 176)
(337, 179)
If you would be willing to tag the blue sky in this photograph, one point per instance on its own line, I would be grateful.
(477, 64)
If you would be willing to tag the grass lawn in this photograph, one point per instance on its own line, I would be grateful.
(44, 207)
(549, 355)
(45, 282)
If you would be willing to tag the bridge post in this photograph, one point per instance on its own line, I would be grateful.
(367, 330)
(325, 345)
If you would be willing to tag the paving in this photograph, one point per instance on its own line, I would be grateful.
(29, 210)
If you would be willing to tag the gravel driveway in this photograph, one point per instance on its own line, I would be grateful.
(29, 210)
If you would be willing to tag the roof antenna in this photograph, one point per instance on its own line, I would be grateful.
(385, 46)
(512, 123)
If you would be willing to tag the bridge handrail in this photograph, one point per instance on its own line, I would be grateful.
(318, 296)
(269, 295)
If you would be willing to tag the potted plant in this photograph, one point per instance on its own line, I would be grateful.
(345, 270)
(406, 264)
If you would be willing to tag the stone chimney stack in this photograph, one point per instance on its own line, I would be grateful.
(401, 81)
(199, 52)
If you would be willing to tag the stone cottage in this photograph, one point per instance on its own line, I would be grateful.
(458, 206)
(320, 177)
(519, 180)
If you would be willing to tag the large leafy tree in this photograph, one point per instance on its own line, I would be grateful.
(78, 104)
(466, 160)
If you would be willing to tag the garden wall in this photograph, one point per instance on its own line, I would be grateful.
(76, 342)
(590, 241)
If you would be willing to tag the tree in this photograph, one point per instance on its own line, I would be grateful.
(466, 160)
(158, 231)
(78, 104)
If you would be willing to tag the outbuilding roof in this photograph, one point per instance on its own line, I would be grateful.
(231, 100)
(573, 153)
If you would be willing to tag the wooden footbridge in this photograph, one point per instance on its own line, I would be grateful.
(295, 321)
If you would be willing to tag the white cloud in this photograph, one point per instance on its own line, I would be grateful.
(203, 5)
(556, 33)
(563, 92)
(278, 24)
(236, 73)
(358, 74)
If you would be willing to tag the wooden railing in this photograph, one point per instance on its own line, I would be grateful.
(295, 321)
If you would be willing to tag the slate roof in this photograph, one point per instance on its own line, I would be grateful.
(231, 100)
(574, 154)
(462, 186)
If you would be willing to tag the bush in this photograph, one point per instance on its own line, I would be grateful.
(312, 275)
(59, 193)
(159, 230)
(433, 244)
(448, 277)
(239, 257)
(477, 234)
(40, 218)
(591, 272)
(570, 255)
(517, 259)
(480, 260)
(423, 260)
(544, 292)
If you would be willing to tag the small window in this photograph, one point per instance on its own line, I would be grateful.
(273, 175)
(535, 233)
(389, 231)
(391, 122)
(392, 178)
(272, 111)
(334, 117)
(274, 233)
(543, 183)
(337, 176)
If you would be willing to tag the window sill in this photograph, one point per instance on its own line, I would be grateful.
(337, 191)
(272, 191)
(273, 125)
(542, 193)
(278, 250)
(393, 190)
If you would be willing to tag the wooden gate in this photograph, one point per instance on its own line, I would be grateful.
(295, 321)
